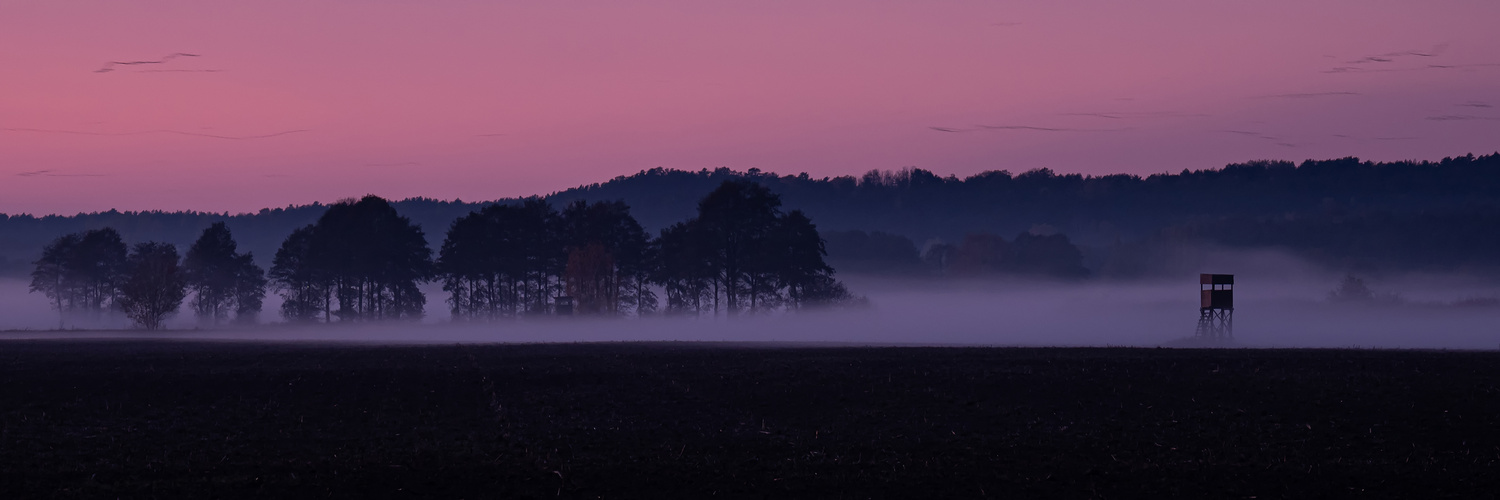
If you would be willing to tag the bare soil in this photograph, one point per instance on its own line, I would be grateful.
(137, 419)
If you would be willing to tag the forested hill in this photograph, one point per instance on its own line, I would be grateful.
(1329, 208)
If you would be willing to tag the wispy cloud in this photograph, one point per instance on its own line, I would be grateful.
(1464, 66)
(1125, 115)
(110, 66)
(1306, 95)
(1355, 69)
(145, 132)
(981, 128)
(1005, 24)
(1268, 138)
(1389, 57)
(1462, 118)
(1379, 63)
(53, 173)
(181, 71)
(1379, 139)
(1475, 104)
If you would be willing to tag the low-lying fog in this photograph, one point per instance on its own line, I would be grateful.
(1279, 303)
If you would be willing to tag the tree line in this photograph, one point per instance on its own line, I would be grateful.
(1112, 218)
(361, 260)
(92, 273)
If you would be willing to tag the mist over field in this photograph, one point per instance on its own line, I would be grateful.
(1281, 302)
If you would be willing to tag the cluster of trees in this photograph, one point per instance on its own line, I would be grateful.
(509, 260)
(360, 261)
(743, 249)
(740, 253)
(92, 273)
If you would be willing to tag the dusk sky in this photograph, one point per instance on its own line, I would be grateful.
(234, 106)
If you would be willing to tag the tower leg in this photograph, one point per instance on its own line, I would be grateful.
(1215, 324)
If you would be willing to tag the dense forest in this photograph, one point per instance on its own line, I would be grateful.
(1410, 215)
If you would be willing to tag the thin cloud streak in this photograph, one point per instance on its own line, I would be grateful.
(982, 128)
(144, 132)
(1307, 95)
(1461, 118)
(110, 66)
(1269, 138)
(180, 71)
(52, 173)
(1125, 115)
(1394, 56)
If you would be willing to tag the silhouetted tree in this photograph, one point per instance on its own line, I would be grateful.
(81, 272)
(505, 260)
(683, 268)
(591, 279)
(741, 247)
(468, 263)
(542, 254)
(96, 265)
(611, 250)
(797, 257)
(154, 285)
(221, 279)
(736, 220)
(360, 255)
(304, 287)
(52, 278)
(249, 290)
(373, 258)
(502, 260)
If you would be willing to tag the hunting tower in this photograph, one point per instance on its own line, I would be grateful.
(1216, 306)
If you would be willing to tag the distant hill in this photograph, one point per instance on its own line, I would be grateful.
(1424, 215)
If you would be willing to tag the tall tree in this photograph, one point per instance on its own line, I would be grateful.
(798, 253)
(153, 286)
(222, 280)
(503, 260)
(741, 247)
(51, 276)
(542, 257)
(364, 256)
(737, 218)
(605, 239)
(466, 266)
(95, 267)
(684, 269)
(81, 272)
(303, 286)
(249, 289)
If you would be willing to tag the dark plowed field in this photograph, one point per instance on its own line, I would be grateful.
(202, 420)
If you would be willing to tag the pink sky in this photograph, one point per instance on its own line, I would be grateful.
(481, 100)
